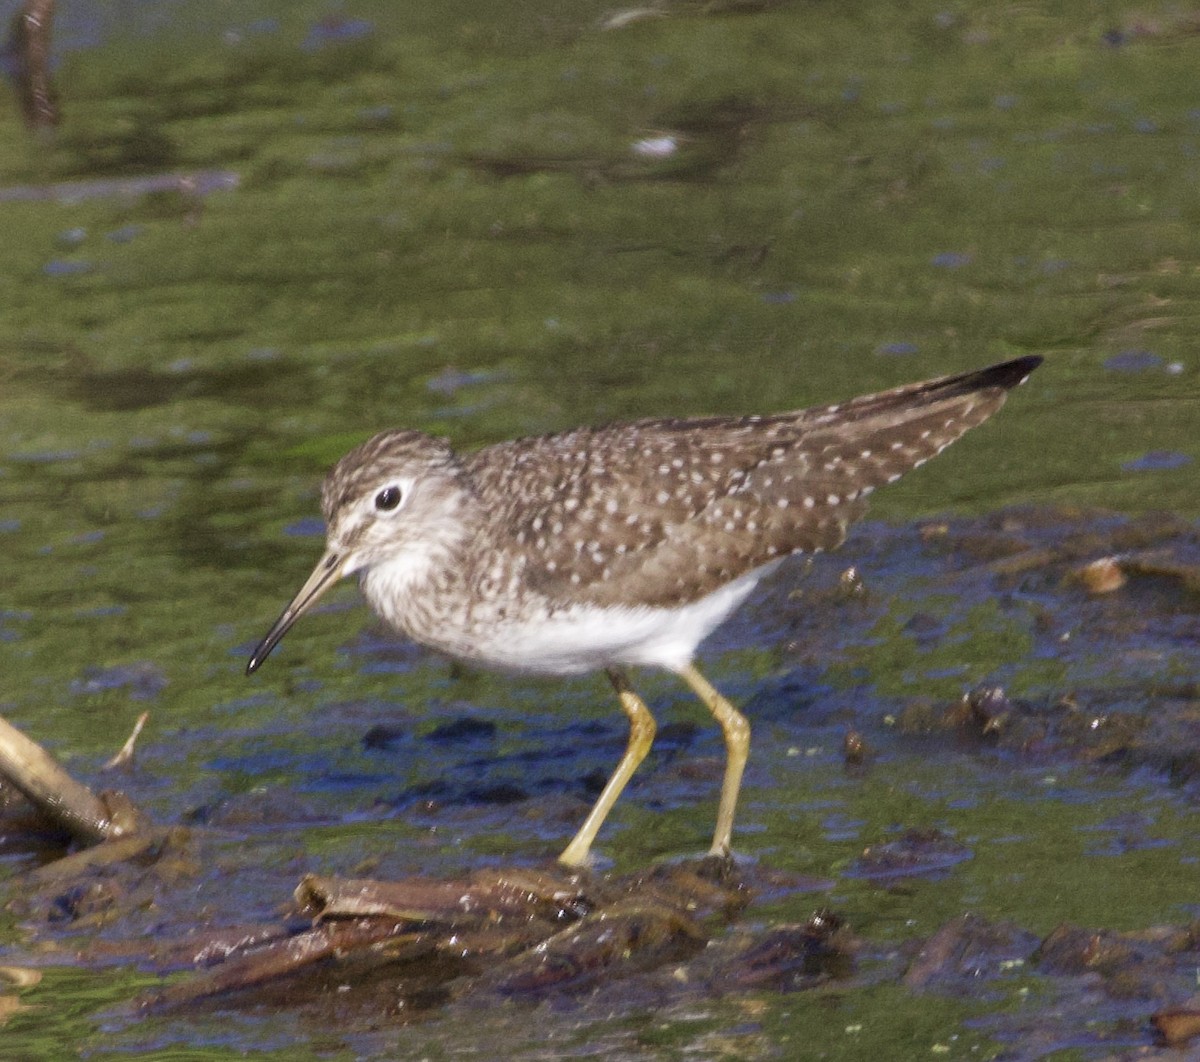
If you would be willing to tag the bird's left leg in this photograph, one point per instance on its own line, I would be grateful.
(736, 728)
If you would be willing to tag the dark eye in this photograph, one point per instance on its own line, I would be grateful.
(387, 499)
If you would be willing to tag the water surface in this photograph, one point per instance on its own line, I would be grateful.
(264, 231)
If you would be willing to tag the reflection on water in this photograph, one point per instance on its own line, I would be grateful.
(259, 235)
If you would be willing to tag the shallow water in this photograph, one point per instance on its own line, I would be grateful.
(264, 231)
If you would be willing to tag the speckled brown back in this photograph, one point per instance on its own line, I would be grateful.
(662, 512)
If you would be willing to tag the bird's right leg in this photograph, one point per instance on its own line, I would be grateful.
(641, 736)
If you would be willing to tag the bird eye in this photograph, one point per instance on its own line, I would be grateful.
(387, 499)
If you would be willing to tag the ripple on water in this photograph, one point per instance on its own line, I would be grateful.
(1133, 361)
(1158, 461)
(143, 679)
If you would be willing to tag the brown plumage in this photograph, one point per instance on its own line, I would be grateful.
(627, 544)
(660, 512)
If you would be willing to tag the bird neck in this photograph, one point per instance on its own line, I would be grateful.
(405, 586)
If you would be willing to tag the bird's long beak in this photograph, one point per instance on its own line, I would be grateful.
(327, 572)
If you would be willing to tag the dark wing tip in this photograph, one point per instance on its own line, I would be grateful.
(1007, 374)
(1000, 377)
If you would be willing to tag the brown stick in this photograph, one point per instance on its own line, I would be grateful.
(68, 803)
(30, 45)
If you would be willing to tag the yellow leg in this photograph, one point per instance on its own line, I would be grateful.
(641, 735)
(736, 729)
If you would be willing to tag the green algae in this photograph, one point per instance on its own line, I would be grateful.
(859, 196)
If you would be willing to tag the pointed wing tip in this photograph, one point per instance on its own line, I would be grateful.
(1009, 374)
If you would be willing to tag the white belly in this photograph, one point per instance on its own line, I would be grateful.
(585, 638)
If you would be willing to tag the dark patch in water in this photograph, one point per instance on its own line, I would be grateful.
(464, 729)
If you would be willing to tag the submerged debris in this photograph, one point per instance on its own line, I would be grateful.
(1178, 1026)
(791, 957)
(916, 852)
(508, 932)
(969, 946)
(1102, 576)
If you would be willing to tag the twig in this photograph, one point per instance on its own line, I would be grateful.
(124, 757)
(68, 803)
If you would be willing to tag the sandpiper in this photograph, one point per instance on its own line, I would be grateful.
(620, 545)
